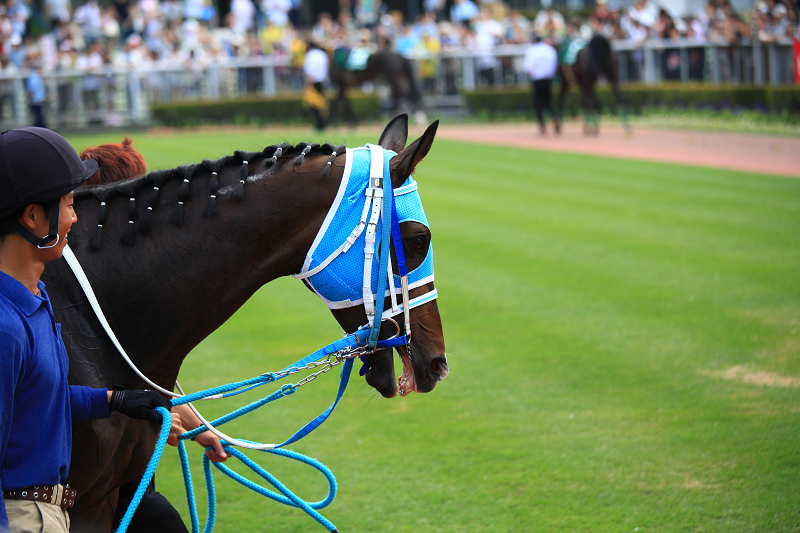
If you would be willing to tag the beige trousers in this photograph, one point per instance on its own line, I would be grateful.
(25, 516)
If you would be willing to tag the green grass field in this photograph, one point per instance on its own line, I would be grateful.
(623, 340)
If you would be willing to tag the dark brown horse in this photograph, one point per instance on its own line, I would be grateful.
(596, 59)
(384, 66)
(199, 246)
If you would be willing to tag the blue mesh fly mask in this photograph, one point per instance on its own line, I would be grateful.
(343, 265)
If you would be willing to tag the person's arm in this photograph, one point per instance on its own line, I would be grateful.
(183, 420)
(527, 63)
(10, 360)
(88, 403)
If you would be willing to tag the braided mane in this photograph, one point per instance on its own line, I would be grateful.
(153, 181)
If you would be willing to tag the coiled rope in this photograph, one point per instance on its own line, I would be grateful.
(286, 496)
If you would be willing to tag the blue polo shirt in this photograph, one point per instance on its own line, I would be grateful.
(37, 405)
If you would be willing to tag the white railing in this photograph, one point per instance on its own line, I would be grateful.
(116, 97)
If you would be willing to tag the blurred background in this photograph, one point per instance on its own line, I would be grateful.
(116, 63)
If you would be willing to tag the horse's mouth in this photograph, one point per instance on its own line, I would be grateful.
(407, 382)
(430, 374)
(420, 377)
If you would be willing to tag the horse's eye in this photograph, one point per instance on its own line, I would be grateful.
(417, 243)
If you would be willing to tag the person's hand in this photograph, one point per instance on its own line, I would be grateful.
(139, 404)
(183, 420)
(175, 429)
(217, 453)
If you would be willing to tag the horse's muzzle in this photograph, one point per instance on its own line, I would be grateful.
(439, 369)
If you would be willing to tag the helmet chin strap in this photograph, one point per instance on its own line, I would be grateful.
(53, 209)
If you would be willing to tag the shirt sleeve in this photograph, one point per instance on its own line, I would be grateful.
(10, 367)
(527, 67)
(88, 403)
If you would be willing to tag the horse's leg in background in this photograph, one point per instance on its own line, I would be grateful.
(586, 106)
(397, 93)
(344, 108)
(591, 104)
(613, 79)
(563, 87)
(594, 102)
(622, 109)
(415, 94)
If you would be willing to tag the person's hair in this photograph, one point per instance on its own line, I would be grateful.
(115, 162)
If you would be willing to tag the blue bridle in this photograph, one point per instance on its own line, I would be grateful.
(341, 276)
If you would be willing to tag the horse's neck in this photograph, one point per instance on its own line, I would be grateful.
(172, 288)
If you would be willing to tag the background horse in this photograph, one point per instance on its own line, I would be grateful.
(384, 66)
(594, 60)
(179, 251)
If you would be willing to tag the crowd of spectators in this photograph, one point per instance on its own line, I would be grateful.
(142, 33)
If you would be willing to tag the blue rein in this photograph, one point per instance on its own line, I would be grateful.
(368, 335)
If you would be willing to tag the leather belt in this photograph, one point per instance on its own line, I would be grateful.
(59, 495)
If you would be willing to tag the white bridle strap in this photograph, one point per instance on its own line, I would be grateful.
(351, 239)
(414, 302)
(374, 191)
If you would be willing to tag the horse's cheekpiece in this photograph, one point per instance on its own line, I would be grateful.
(337, 283)
(60, 495)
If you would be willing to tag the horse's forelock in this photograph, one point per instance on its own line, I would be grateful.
(116, 162)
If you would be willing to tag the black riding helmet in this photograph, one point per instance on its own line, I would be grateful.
(38, 166)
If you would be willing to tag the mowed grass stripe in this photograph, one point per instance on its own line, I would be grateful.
(606, 321)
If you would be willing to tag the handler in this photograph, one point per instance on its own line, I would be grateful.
(540, 64)
(39, 171)
(315, 69)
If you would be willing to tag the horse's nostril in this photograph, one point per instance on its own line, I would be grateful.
(438, 368)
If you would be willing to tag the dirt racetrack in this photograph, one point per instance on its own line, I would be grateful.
(753, 153)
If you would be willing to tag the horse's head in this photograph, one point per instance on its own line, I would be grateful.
(426, 363)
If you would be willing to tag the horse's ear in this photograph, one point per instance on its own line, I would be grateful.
(402, 165)
(395, 135)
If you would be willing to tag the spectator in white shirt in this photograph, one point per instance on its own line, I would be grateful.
(244, 13)
(90, 19)
(549, 22)
(277, 11)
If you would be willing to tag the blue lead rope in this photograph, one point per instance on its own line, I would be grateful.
(314, 424)
(286, 496)
(349, 341)
(166, 422)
